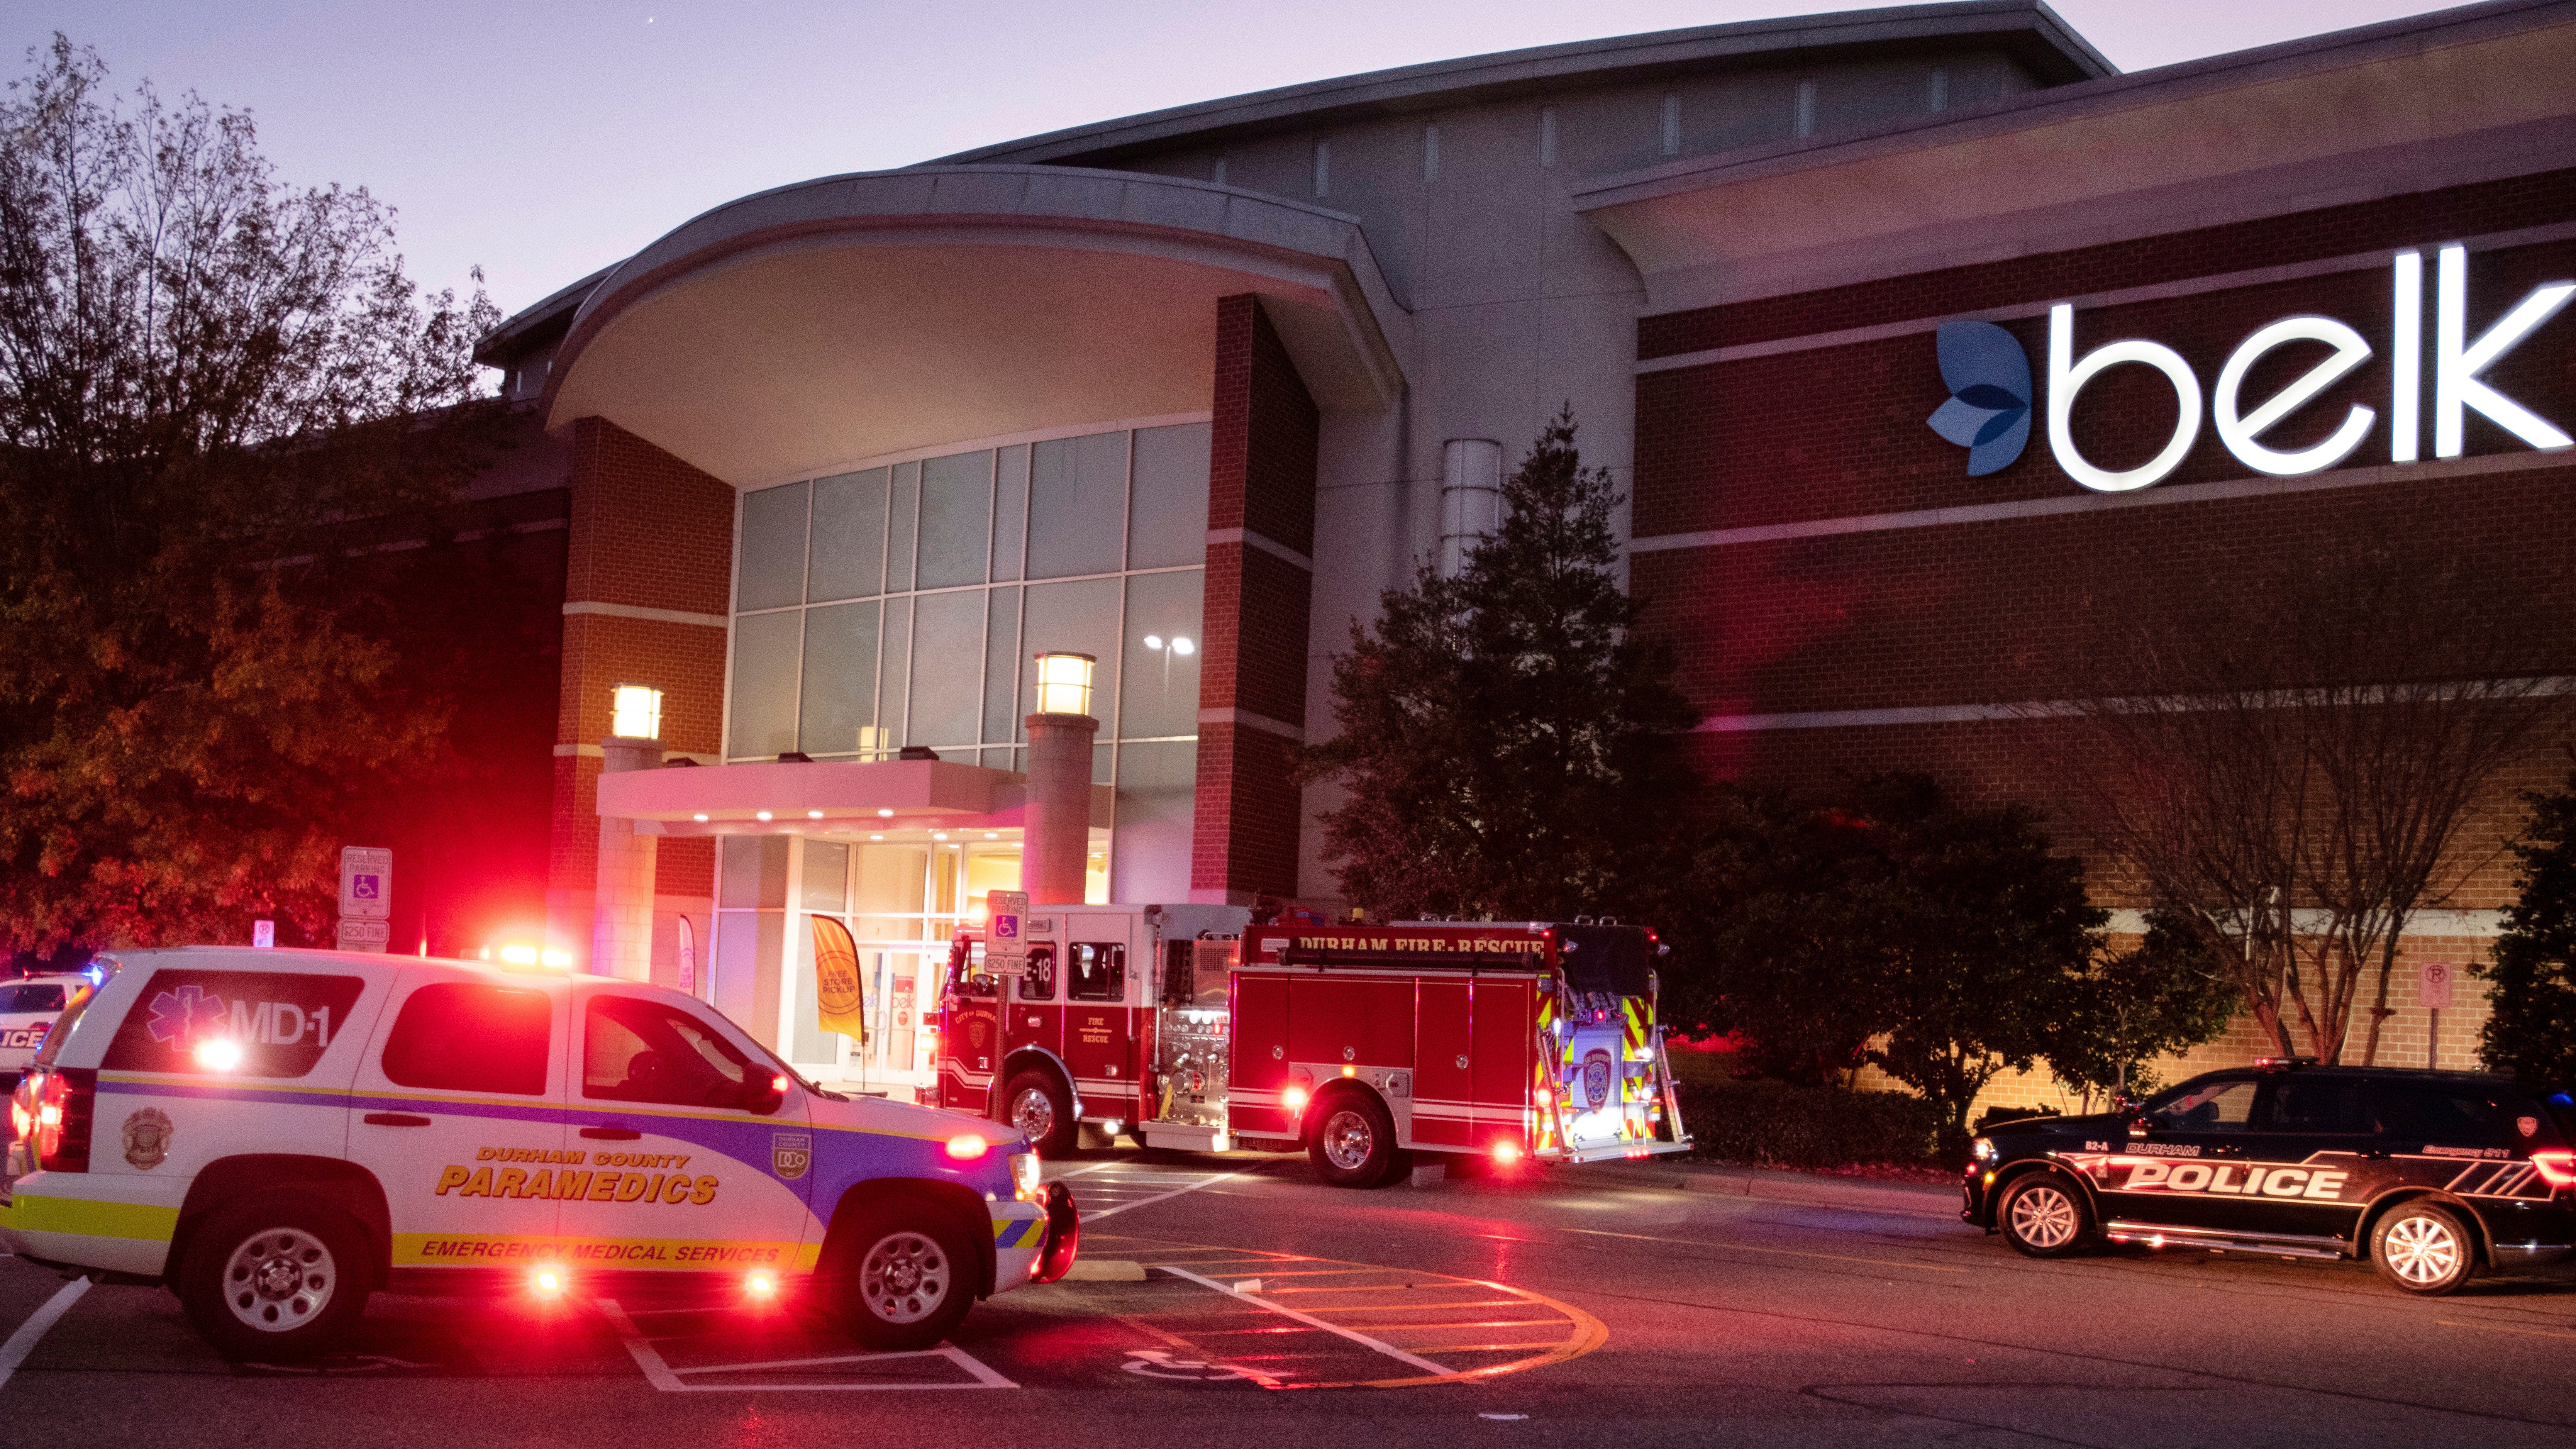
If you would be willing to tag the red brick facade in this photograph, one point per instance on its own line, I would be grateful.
(1837, 602)
(1261, 480)
(648, 532)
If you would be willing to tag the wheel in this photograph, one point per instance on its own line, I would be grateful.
(2423, 1248)
(276, 1277)
(905, 1279)
(1036, 1104)
(2044, 1216)
(1354, 1142)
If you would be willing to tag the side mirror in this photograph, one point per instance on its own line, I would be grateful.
(763, 1093)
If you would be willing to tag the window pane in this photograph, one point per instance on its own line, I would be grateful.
(840, 693)
(899, 537)
(1083, 619)
(1038, 982)
(643, 1051)
(282, 1021)
(848, 560)
(1001, 664)
(456, 1037)
(1161, 696)
(1077, 505)
(825, 885)
(764, 684)
(30, 998)
(892, 878)
(1167, 519)
(1157, 801)
(956, 519)
(894, 664)
(755, 872)
(1095, 972)
(948, 695)
(2219, 1104)
(773, 548)
(1010, 511)
(806, 1040)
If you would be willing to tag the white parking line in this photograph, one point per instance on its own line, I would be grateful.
(1094, 1217)
(1362, 1339)
(659, 1373)
(23, 1342)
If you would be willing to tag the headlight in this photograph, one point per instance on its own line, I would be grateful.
(1982, 1149)
(1024, 1175)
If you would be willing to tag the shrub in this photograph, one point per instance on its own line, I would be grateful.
(1780, 1124)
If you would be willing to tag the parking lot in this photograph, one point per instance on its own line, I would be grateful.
(1536, 1310)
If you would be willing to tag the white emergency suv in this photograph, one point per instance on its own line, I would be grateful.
(276, 1134)
(29, 1006)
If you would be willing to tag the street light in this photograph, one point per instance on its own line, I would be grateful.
(1179, 644)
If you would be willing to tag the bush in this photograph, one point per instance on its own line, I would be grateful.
(1779, 1124)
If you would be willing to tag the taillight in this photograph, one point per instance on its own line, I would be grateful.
(64, 1099)
(2557, 1166)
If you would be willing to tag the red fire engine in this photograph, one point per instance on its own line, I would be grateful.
(1363, 1044)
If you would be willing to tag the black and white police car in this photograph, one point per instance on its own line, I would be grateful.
(2432, 1175)
(29, 1007)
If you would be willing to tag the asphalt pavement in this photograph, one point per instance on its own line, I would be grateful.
(1228, 1297)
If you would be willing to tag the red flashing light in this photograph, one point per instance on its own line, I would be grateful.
(760, 1285)
(1507, 1152)
(967, 1146)
(2557, 1167)
(546, 1282)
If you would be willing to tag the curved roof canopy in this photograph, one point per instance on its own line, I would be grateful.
(870, 314)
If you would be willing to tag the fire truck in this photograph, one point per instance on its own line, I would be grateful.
(1366, 1045)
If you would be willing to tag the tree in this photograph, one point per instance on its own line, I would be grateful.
(2533, 967)
(1894, 926)
(2168, 993)
(1507, 741)
(205, 376)
(2290, 753)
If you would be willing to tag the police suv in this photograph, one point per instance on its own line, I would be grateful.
(2433, 1175)
(275, 1134)
(28, 1007)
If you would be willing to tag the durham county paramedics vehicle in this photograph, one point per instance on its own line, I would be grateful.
(275, 1134)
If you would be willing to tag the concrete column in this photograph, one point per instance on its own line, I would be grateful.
(1059, 813)
(621, 917)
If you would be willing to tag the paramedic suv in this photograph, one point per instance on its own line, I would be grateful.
(275, 1134)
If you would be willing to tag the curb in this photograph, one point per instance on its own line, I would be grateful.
(1772, 1185)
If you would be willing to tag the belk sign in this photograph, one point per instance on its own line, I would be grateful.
(1991, 400)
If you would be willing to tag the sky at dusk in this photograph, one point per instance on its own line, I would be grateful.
(544, 141)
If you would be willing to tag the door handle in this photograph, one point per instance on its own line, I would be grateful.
(611, 1134)
(395, 1119)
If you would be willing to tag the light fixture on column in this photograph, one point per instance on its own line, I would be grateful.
(1064, 683)
(1178, 644)
(636, 712)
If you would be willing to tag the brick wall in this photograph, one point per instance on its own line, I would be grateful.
(1861, 616)
(1261, 479)
(651, 532)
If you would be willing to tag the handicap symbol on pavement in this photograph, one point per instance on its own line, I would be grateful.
(1158, 1363)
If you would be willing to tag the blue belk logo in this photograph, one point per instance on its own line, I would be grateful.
(1989, 408)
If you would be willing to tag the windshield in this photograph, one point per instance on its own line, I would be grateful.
(33, 996)
(61, 1030)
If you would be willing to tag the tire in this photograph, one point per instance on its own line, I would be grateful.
(1354, 1141)
(905, 1277)
(2423, 1248)
(2045, 1215)
(1036, 1103)
(275, 1277)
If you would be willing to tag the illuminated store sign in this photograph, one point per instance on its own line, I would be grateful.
(1990, 406)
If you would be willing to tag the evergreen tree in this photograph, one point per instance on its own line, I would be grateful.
(2533, 1031)
(1508, 741)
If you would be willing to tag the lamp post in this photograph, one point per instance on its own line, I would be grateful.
(1059, 799)
(1179, 644)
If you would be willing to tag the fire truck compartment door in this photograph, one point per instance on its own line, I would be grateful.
(1444, 1080)
(1502, 1034)
(1258, 1068)
(1350, 1023)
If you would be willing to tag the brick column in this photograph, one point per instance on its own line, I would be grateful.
(648, 583)
(1260, 581)
(621, 931)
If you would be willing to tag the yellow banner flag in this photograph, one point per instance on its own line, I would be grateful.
(840, 992)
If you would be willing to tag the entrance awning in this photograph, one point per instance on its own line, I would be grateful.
(827, 798)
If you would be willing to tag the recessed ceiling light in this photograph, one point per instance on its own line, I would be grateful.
(813, 814)
(992, 835)
(884, 814)
(876, 837)
(701, 815)
(761, 815)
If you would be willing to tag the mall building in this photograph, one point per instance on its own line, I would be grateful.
(1184, 391)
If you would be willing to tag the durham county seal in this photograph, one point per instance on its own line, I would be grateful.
(147, 1138)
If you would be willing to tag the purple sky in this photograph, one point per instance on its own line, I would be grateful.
(546, 140)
